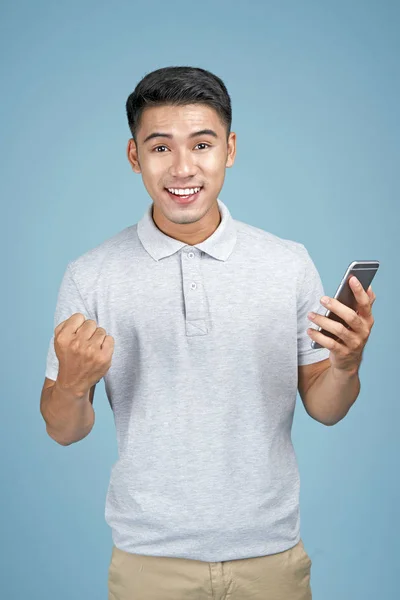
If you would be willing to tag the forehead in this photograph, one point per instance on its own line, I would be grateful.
(179, 119)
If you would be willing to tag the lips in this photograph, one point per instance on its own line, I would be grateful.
(185, 199)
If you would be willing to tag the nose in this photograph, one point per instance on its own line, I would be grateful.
(183, 165)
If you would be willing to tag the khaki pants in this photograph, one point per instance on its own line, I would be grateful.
(282, 576)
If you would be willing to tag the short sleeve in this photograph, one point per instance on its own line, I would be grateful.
(309, 294)
(69, 301)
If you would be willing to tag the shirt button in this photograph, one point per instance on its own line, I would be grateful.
(193, 285)
(191, 254)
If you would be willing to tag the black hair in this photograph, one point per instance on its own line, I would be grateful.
(178, 86)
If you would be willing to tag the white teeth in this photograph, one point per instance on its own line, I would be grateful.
(185, 192)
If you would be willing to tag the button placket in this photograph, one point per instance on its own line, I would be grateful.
(193, 293)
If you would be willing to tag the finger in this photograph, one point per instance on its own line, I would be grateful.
(70, 325)
(347, 314)
(87, 329)
(340, 330)
(363, 307)
(324, 340)
(371, 295)
(99, 334)
(108, 343)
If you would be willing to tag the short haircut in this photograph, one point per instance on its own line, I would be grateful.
(178, 86)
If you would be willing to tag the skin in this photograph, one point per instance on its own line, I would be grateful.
(183, 162)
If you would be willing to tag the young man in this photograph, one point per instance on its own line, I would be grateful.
(198, 324)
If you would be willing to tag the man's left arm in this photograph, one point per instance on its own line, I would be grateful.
(329, 390)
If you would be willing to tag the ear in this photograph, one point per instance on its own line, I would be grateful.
(132, 154)
(230, 159)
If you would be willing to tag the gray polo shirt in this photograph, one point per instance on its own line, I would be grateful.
(202, 385)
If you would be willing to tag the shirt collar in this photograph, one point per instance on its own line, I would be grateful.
(219, 244)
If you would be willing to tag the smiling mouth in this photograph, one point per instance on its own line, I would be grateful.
(185, 198)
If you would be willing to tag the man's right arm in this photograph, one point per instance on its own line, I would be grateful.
(68, 417)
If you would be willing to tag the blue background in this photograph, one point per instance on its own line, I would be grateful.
(315, 95)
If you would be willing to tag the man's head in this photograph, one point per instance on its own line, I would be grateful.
(179, 102)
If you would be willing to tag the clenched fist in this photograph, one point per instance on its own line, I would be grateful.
(84, 353)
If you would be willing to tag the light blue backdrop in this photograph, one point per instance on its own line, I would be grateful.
(315, 94)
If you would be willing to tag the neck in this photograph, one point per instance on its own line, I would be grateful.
(189, 233)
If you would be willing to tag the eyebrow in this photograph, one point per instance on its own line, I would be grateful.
(170, 136)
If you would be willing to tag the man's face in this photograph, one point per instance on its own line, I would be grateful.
(182, 160)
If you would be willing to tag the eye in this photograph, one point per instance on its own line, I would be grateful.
(199, 144)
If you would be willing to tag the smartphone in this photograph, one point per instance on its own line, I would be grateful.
(365, 271)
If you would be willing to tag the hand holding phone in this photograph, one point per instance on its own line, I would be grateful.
(365, 271)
